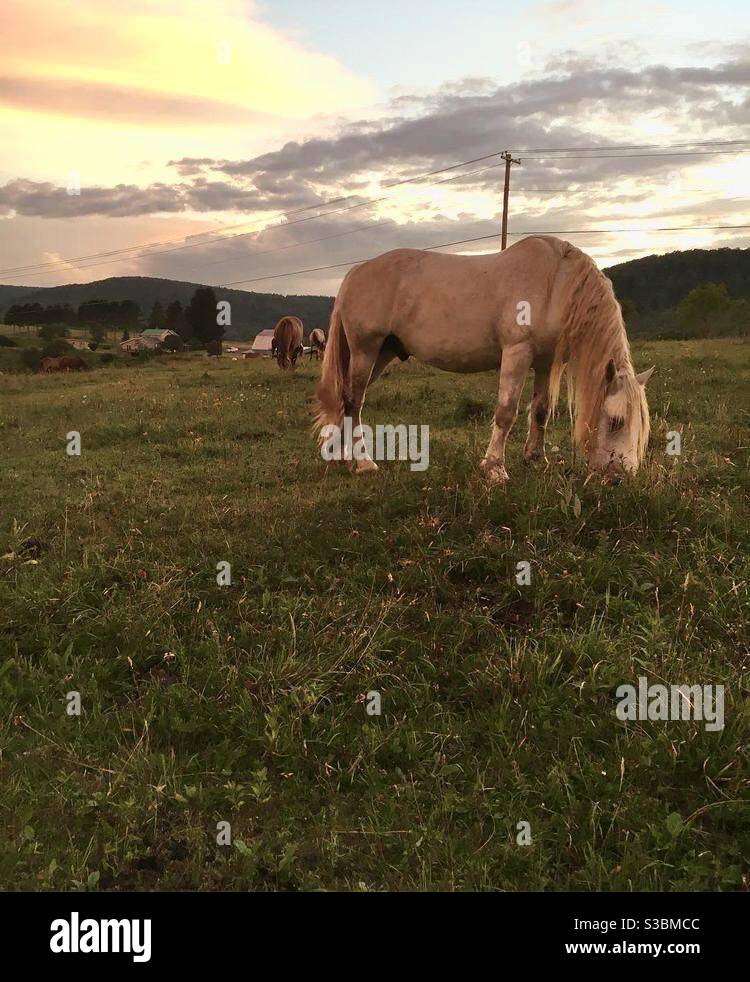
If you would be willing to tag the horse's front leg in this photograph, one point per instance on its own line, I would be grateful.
(538, 416)
(516, 361)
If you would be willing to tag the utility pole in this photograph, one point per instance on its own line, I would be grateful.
(508, 161)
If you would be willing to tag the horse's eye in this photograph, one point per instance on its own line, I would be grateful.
(616, 423)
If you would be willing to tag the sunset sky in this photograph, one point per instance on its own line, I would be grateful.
(150, 123)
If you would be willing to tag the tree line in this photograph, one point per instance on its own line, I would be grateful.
(711, 309)
(196, 324)
(706, 311)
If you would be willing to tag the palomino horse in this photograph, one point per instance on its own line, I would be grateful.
(286, 346)
(317, 343)
(65, 363)
(541, 304)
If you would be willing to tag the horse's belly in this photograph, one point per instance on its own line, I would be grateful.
(456, 351)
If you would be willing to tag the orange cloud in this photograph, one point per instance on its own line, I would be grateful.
(212, 51)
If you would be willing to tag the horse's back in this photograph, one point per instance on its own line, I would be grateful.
(454, 312)
(72, 363)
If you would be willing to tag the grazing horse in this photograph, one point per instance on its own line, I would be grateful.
(540, 304)
(287, 342)
(65, 363)
(317, 343)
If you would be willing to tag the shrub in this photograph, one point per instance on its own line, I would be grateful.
(53, 349)
(49, 332)
(30, 358)
(6, 342)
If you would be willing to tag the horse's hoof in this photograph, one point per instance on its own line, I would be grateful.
(534, 457)
(494, 472)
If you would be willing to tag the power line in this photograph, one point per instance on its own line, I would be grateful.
(495, 235)
(32, 269)
(630, 156)
(268, 228)
(634, 146)
(322, 204)
(446, 245)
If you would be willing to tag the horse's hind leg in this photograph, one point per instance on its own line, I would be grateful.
(516, 362)
(538, 415)
(367, 362)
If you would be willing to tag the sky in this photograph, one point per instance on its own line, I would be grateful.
(199, 140)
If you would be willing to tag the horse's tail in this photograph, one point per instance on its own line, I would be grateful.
(331, 390)
(283, 335)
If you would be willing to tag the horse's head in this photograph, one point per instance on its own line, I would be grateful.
(623, 426)
(296, 353)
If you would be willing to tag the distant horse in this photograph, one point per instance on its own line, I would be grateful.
(540, 304)
(317, 343)
(65, 363)
(286, 346)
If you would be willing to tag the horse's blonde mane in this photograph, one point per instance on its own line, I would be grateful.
(592, 336)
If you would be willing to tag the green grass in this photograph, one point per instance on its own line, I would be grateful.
(246, 703)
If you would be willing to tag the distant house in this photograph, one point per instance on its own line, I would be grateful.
(81, 345)
(262, 344)
(133, 345)
(156, 338)
(151, 339)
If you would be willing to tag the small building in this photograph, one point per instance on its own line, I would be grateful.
(262, 344)
(158, 338)
(133, 345)
(152, 339)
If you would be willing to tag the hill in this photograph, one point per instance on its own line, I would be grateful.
(651, 287)
(655, 284)
(251, 312)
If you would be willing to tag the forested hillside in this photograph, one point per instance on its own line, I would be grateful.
(251, 312)
(658, 283)
(651, 290)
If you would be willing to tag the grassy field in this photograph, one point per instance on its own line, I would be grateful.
(247, 703)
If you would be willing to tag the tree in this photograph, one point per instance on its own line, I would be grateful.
(157, 319)
(176, 321)
(629, 309)
(97, 333)
(48, 332)
(202, 315)
(172, 344)
(703, 309)
(738, 318)
(128, 314)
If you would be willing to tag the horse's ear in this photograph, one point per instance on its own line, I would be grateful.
(643, 377)
(610, 372)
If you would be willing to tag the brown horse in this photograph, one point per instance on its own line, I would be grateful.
(65, 363)
(287, 342)
(317, 343)
(541, 304)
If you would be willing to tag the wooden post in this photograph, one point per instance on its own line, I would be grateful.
(508, 161)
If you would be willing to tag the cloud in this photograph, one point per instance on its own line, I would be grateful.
(119, 103)
(218, 53)
(577, 104)
(462, 122)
